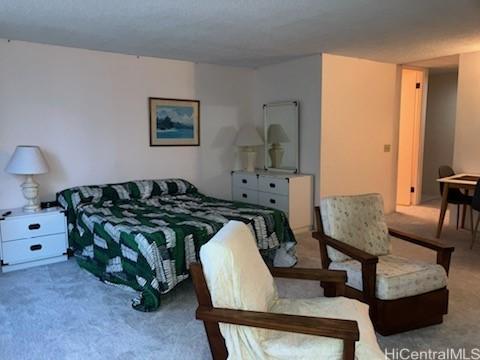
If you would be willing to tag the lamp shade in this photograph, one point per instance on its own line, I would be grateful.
(276, 134)
(248, 136)
(27, 160)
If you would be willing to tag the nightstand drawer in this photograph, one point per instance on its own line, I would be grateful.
(245, 195)
(275, 201)
(27, 227)
(20, 251)
(273, 185)
(248, 181)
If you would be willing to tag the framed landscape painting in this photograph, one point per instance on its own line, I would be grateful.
(174, 122)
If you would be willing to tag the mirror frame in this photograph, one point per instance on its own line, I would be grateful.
(295, 105)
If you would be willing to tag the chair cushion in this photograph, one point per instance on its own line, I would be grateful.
(236, 274)
(238, 278)
(358, 221)
(282, 345)
(397, 277)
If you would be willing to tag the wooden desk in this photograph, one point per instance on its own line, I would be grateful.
(459, 181)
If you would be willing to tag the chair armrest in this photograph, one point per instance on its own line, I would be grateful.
(444, 252)
(332, 276)
(333, 328)
(418, 240)
(349, 250)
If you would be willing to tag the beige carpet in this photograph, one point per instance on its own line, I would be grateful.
(61, 312)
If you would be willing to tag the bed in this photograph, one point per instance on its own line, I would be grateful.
(144, 234)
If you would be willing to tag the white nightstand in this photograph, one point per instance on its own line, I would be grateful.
(31, 239)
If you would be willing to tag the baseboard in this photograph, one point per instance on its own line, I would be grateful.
(52, 260)
(303, 230)
(429, 198)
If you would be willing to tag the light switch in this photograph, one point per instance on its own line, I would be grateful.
(387, 148)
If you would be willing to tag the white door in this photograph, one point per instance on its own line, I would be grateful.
(408, 182)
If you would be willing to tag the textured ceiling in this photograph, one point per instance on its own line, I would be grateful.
(441, 62)
(441, 65)
(250, 32)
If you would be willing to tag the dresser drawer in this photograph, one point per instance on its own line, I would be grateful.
(27, 227)
(25, 250)
(246, 181)
(245, 195)
(275, 201)
(273, 185)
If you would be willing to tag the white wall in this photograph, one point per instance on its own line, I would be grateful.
(88, 111)
(467, 128)
(295, 80)
(439, 129)
(360, 113)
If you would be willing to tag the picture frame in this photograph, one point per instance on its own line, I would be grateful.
(174, 122)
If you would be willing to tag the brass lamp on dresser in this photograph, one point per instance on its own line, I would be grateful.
(291, 193)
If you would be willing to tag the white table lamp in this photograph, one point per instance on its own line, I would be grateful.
(29, 161)
(276, 135)
(247, 139)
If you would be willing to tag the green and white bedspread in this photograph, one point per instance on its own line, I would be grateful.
(144, 234)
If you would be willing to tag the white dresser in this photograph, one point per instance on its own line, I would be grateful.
(30, 239)
(291, 193)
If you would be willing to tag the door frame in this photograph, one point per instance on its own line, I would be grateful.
(419, 136)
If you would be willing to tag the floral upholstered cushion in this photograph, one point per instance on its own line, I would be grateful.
(397, 277)
(358, 221)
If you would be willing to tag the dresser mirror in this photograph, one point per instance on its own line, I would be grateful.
(281, 136)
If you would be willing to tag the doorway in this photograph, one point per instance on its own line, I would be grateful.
(410, 142)
(440, 124)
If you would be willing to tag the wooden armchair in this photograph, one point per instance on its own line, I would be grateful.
(231, 256)
(390, 313)
(346, 330)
